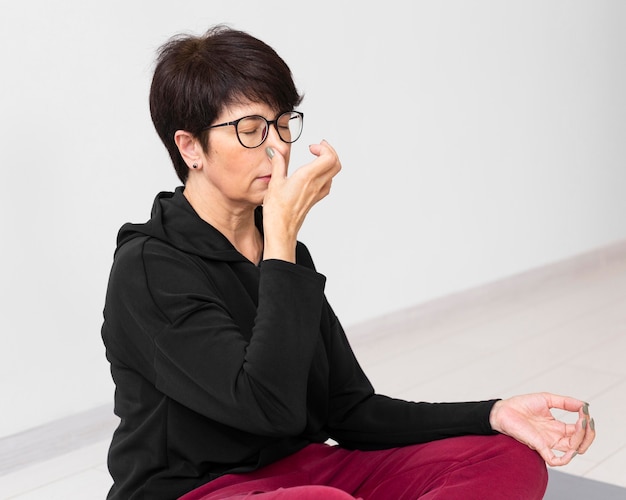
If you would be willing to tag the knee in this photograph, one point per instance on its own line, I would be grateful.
(521, 454)
(311, 492)
(529, 469)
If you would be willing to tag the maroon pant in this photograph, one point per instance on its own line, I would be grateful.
(469, 467)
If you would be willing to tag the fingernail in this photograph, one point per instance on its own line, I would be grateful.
(586, 409)
(592, 424)
(585, 424)
(270, 152)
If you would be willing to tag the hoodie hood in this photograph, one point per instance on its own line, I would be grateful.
(174, 221)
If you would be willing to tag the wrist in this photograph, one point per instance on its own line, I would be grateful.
(280, 249)
(494, 415)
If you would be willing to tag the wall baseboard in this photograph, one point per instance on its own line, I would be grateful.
(56, 438)
(71, 433)
(481, 296)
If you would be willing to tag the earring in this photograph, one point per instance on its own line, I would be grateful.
(195, 165)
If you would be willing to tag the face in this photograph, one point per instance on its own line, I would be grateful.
(237, 174)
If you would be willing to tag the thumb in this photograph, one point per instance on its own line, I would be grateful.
(279, 165)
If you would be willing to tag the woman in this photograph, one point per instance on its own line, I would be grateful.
(231, 369)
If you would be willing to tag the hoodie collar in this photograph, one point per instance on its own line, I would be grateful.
(174, 221)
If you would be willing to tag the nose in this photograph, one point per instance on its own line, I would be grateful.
(273, 140)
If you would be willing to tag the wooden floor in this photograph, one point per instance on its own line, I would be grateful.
(560, 329)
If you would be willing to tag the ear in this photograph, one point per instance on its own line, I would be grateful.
(189, 147)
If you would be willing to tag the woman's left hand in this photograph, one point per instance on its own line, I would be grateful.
(529, 420)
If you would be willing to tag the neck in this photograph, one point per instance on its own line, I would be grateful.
(236, 223)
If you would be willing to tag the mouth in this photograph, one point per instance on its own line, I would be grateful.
(265, 178)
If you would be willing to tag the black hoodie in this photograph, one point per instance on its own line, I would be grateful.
(221, 365)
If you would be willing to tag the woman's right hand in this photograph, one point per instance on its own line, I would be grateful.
(289, 198)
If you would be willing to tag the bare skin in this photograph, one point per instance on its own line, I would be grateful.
(528, 419)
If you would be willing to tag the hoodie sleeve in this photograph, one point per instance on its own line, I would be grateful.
(172, 325)
(361, 418)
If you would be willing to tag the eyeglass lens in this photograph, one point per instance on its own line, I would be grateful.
(253, 130)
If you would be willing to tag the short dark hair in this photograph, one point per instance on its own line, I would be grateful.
(196, 77)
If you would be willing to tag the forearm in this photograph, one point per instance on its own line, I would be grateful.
(383, 422)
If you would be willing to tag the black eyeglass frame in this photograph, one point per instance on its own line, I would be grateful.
(274, 122)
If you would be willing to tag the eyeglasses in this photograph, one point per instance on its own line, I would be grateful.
(253, 130)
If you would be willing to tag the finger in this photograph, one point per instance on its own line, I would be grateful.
(576, 439)
(327, 162)
(326, 145)
(556, 461)
(279, 165)
(546, 453)
(590, 435)
(316, 149)
(325, 191)
(565, 402)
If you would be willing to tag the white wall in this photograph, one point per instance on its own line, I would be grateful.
(479, 139)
